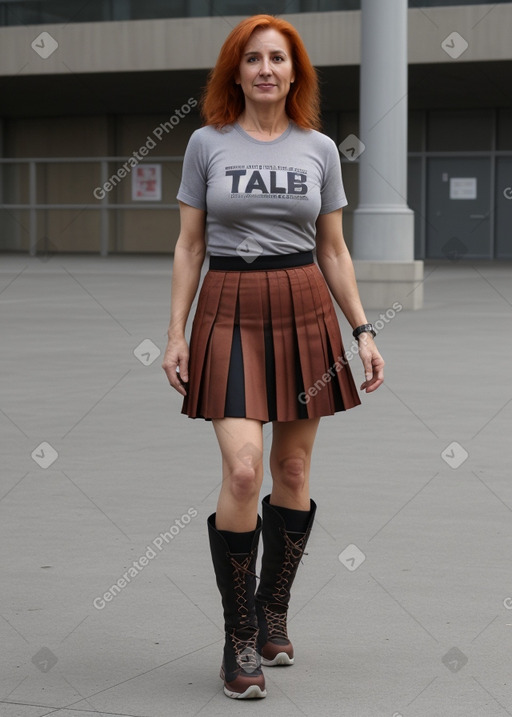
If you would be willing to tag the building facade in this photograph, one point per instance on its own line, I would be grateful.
(98, 100)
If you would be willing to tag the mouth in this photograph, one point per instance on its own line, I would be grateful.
(265, 85)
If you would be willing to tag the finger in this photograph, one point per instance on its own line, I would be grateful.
(374, 385)
(172, 374)
(367, 378)
(176, 384)
(183, 369)
(180, 389)
(170, 369)
(368, 368)
(376, 381)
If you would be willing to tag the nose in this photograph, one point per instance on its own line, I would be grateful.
(265, 68)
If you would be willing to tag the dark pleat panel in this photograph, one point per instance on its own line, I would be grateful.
(218, 350)
(204, 318)
(254, 315)
(343, 378)
(235, 389)
(270, 374)
(284, 341)
(335, 387)
(302, 407)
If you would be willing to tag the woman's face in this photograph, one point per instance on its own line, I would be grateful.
(266, 70)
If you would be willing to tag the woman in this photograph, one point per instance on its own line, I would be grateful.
(261, 188)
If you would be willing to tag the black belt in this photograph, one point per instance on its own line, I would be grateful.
(261, 262)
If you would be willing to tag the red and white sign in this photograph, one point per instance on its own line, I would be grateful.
(147, 183)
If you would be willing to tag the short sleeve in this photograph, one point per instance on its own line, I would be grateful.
(193, 178)
(332, 192)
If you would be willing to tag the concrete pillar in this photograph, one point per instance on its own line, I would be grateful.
(383, 245)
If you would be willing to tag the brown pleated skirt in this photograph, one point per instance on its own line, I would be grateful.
(266, 343)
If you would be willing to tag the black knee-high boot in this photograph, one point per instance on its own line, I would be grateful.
(236, 580)
(282, 552)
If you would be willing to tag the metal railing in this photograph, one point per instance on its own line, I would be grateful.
(102, 200)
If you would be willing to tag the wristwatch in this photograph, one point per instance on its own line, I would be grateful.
(364, 328)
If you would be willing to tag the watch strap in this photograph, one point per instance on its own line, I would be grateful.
(364, 328)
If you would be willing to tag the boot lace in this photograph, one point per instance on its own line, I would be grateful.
(276, 620)
(276, 623)
(244, 643)
(293, 552)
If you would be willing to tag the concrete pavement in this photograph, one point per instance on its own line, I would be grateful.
(403, 606)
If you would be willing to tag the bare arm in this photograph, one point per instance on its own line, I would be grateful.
(336, 265)
(188, 260)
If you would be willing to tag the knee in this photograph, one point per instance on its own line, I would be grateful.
(291, 473)
(243, 482)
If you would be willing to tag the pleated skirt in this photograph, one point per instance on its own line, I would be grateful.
(266, 343)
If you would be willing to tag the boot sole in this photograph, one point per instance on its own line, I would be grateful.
(281, 659)
(252, 692)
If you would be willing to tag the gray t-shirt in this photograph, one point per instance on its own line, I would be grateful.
(261, 196)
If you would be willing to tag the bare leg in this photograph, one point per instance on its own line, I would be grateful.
(290, 461)
(241, 444)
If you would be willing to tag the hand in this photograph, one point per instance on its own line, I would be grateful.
(176, 356)
(373, 363)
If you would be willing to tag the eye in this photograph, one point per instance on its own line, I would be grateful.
(279, 58)
(252, 58)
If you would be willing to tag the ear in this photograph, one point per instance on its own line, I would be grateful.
(237, 78)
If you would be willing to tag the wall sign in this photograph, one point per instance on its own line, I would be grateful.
(462, 187)
(147, 183)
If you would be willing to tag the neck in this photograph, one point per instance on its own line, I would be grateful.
(264, 120)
